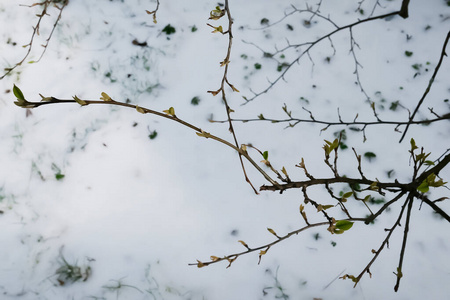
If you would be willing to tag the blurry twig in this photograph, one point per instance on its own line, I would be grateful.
(169, 114)
(362, 125)
(433, 77)
(215, 15)
(153, 12)
(45, 6)
(403, 12)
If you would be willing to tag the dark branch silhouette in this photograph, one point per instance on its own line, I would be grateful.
(427, 90)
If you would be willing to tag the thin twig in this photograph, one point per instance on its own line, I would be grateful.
(35, 32)
(224, 81)
(311, 45)
(200, 132)
(234, 256)
(405, 238)
(383, 244)
(430, 83)
(294, 121)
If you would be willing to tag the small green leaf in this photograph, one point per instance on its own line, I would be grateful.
(170, 111)
(417, 66)
(344, 225)
(153, 134)
(330, 146)
(169, 29)
(140, 110)
(216, 14)
(394, 105)
(272, 232)
(347, 195)
(430, 181)
(423, 187)
(105, 97)
(335, 144)
(79, 101)
(18, 93)
(370, 155)
(390, 173)
(438, 183)
(244, 244)
(283, 170)
(257, 66)
(325, 207)
(353, 278)
(217, 29)
(377, 201)
(203, 134)
(266, 155)
(200, 264)
(59, 176)
(408, 53)
(195, 100)
(413, 144)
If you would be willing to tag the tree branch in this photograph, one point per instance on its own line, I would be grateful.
(399, 273)
(35, 33)
(294, 121)
(52, 100)
(427, 90)
(324, 181)
(383, 244)
(312, 44)
(264, 248)
(433, 205)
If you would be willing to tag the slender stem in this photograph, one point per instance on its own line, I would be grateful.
(405, 237)
(268, 245)
(312, 44)
(295, 121)
(53, 100)
(427, 90)
(226, 62)
(433, 205)
(36, 28)
(383, 244)
(385, 206)
(320, 181)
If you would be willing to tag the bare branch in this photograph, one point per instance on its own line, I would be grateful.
(383, 244)
(312, 44)
(294, 121)
(399, 273)
(264, 248)
(173, 117)
(436, 70)
(45, 5)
